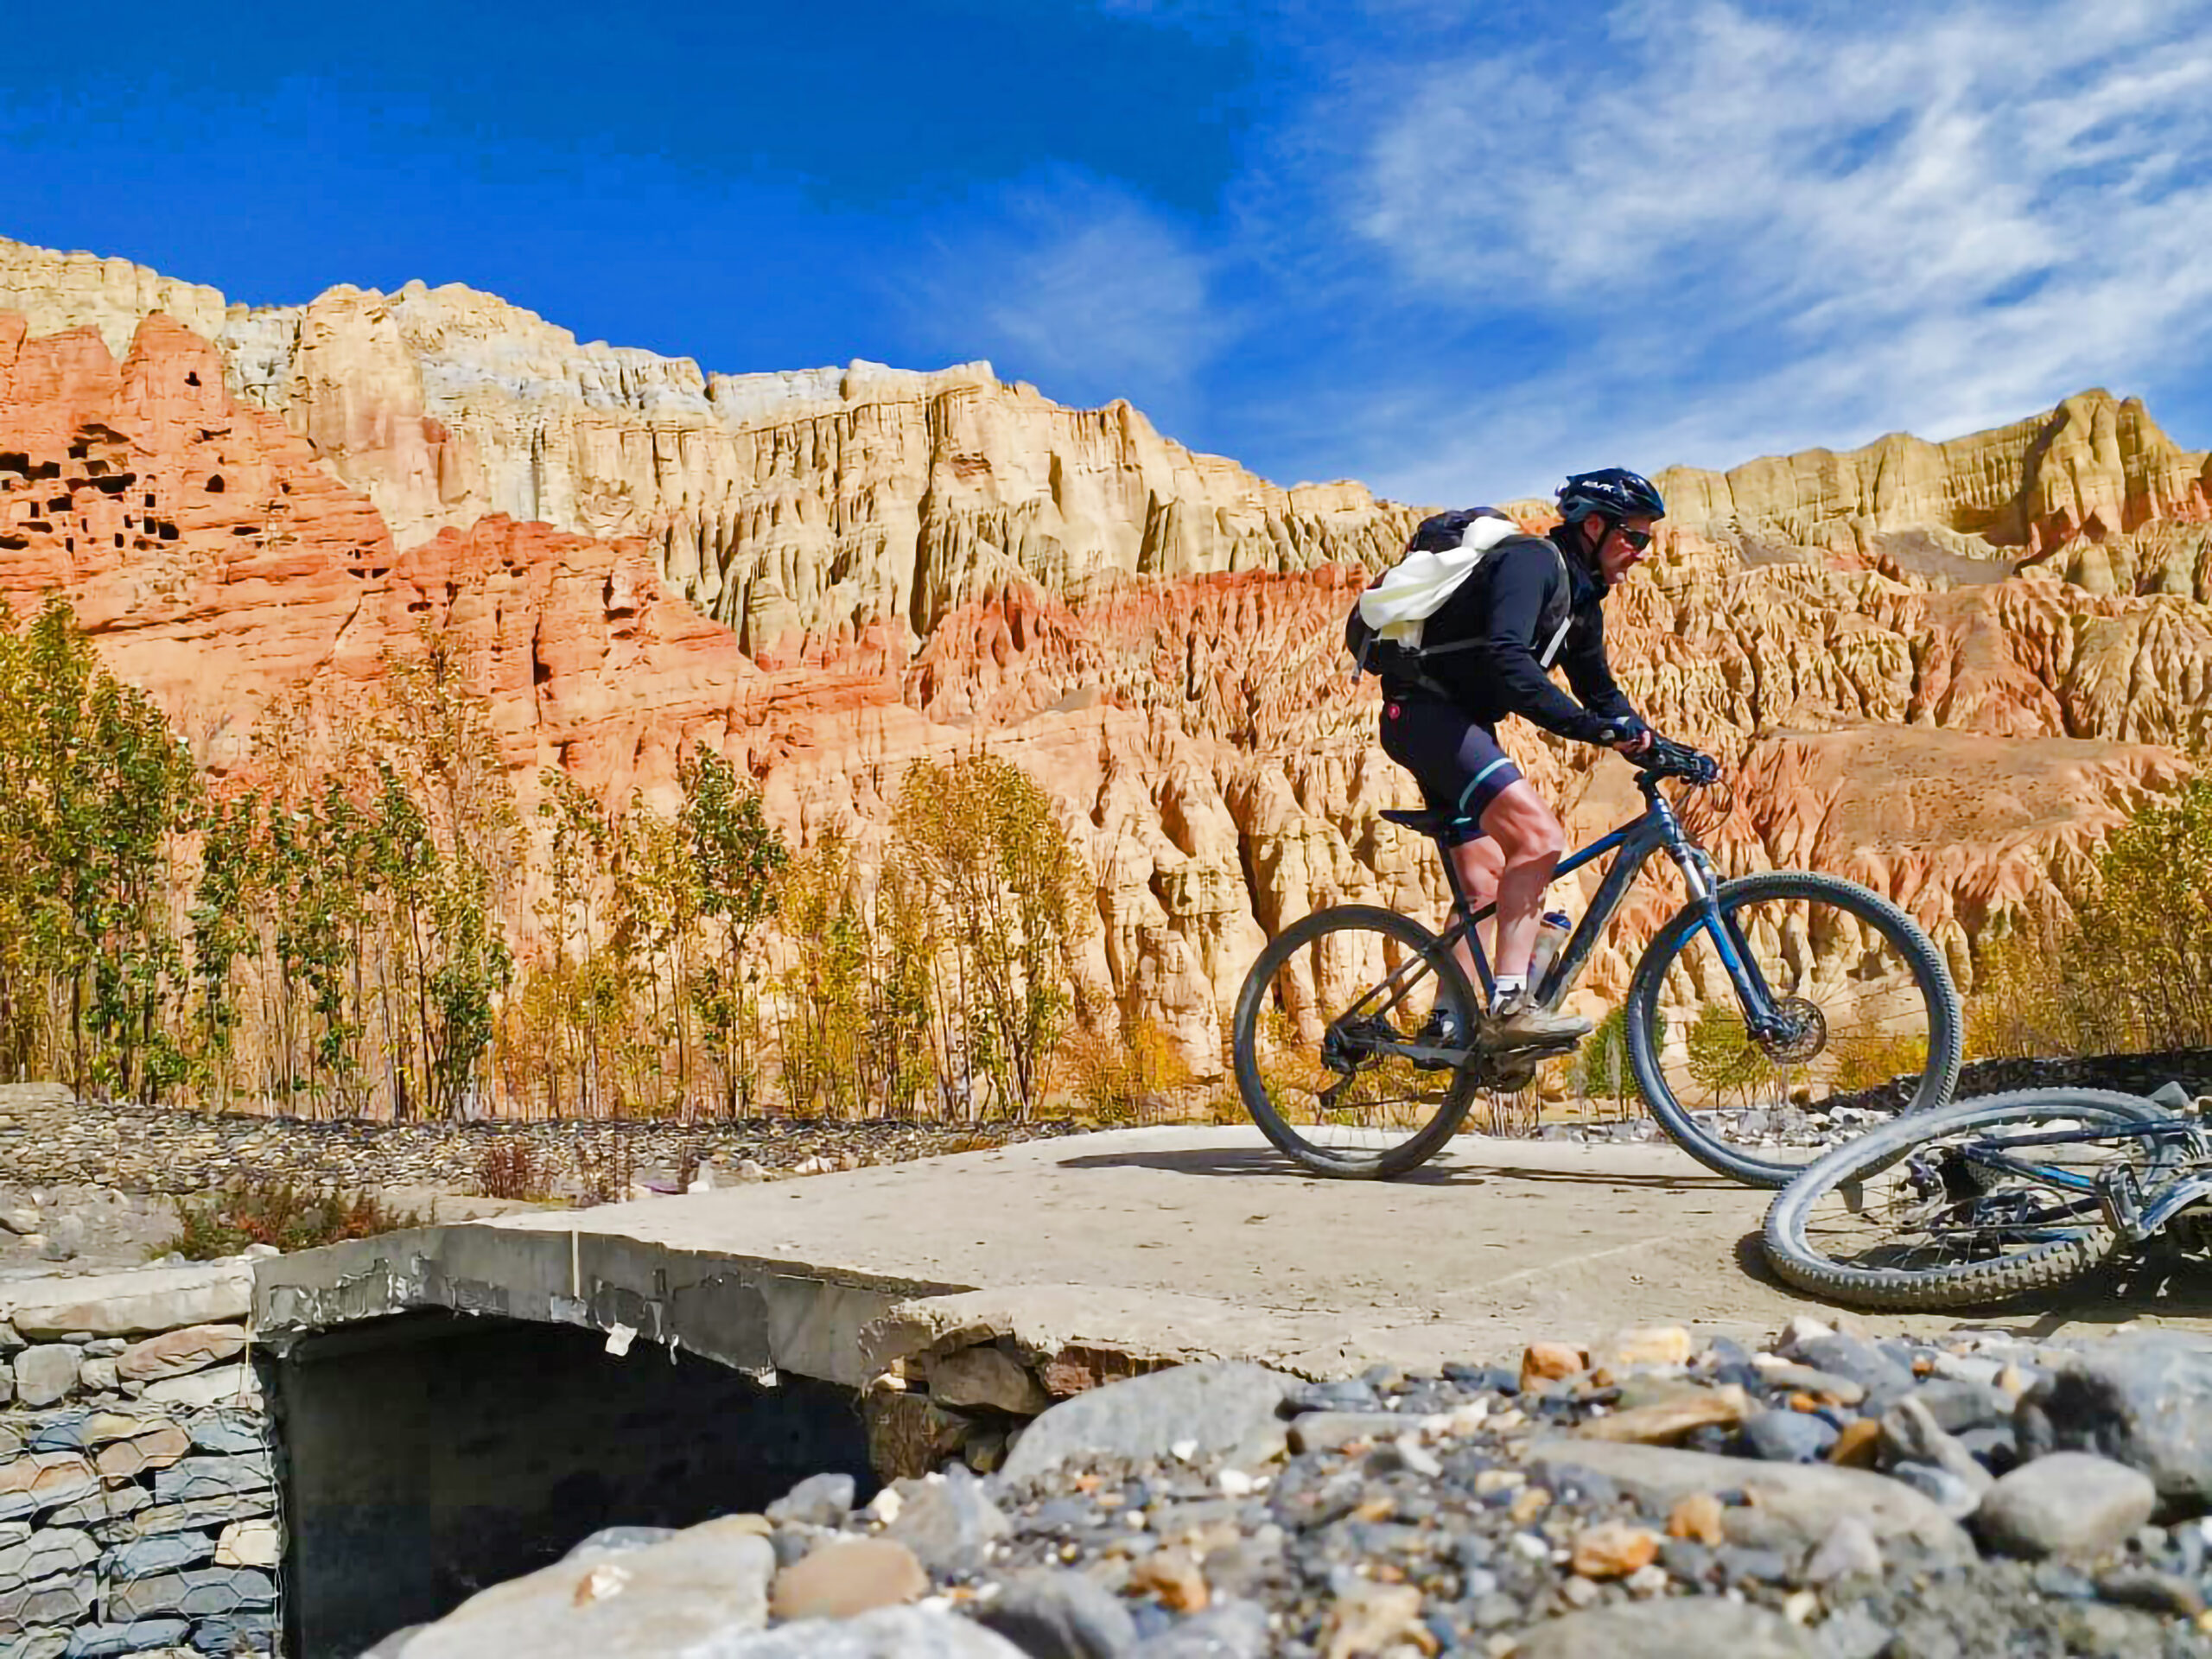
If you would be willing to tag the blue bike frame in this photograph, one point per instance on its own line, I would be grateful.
(1657, 830)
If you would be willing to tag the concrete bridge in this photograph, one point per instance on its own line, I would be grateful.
(456, 1403)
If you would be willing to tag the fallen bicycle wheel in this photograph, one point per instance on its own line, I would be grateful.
(1322, 1028)
(1868, 1024)
(1973, 1203)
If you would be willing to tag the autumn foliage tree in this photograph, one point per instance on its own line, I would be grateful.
(1010, 901)
(96, 794)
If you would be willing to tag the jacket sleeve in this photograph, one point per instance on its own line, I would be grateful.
(1591, 676)
(1523, 575)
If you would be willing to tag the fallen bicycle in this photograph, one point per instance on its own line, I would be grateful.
(1989, 1199)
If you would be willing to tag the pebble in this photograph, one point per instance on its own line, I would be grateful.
(1055, 1614)
(1789, 1436)
(1613, 1550)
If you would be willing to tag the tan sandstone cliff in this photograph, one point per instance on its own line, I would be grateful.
(913, 564)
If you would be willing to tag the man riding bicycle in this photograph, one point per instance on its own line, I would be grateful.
(1531, 600)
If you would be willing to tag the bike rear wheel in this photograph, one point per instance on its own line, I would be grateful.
(1929, 1212)
(1318, 1027)
(1875, 1027)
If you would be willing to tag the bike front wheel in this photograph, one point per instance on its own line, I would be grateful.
(1870, 1026)
(1321, 1025)
(1973, 1203)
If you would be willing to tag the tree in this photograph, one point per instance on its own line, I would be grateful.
(1722, 1058)
(1602, 1062)
(823, 989)
(1011, 898)
(98, 794)
(737, 854)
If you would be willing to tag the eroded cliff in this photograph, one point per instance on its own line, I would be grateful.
(1947, 669)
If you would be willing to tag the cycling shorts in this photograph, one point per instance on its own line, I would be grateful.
(1456, 760)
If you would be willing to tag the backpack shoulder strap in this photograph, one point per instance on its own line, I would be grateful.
(1546, 658)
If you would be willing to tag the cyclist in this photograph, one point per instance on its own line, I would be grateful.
(1532, 598)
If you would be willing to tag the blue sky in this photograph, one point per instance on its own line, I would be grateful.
(1450, 250)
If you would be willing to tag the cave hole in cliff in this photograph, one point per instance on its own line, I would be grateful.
(46, 469)
(192, 376)
(427, 1455)
(13, 460)
(150, 498)
(215, 483)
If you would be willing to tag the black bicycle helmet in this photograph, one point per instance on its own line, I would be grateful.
(1614, 492)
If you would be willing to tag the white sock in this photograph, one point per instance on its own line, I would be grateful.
(1504, 986)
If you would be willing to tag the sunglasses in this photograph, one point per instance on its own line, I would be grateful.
(1637, 539)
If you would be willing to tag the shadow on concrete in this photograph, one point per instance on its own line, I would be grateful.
(1751, 1262)
(1266, 1162)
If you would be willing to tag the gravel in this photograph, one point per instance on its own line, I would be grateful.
(1597, 1512)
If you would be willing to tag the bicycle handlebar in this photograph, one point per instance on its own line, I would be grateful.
(1667, 758)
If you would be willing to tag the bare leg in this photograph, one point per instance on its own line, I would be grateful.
(1477, 863)
(1529, 839)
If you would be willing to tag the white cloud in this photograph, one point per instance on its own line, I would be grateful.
(1081, 286)
(1768, 233)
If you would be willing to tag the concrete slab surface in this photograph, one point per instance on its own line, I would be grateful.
(1185, 1242)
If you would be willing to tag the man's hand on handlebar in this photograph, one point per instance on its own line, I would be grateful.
(1637, 744)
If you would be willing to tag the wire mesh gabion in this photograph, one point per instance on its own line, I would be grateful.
(138, 1529)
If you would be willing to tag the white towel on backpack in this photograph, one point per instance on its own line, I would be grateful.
(1416, 588)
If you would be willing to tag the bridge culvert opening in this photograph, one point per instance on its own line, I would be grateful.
(427, 1456)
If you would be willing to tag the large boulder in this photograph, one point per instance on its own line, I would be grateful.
(702, 1590)
(136, 1303)
(2144, 1401)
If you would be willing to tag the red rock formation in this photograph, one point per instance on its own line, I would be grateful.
(1954, 747)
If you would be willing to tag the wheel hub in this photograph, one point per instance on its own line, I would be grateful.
(1350, 1044)
(1800, 1031)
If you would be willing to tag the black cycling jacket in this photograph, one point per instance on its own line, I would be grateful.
(1506, 612)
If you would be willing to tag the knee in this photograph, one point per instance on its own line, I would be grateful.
(1479, 862)
(1527, 831)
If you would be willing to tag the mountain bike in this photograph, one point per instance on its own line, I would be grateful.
(1987, 1199)
(1771, 1013)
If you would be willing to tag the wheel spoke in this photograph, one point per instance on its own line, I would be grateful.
(1859, 1002)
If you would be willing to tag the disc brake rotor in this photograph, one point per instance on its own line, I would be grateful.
(1801, 1031)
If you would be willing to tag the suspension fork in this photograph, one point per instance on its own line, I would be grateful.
(1735, 958)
